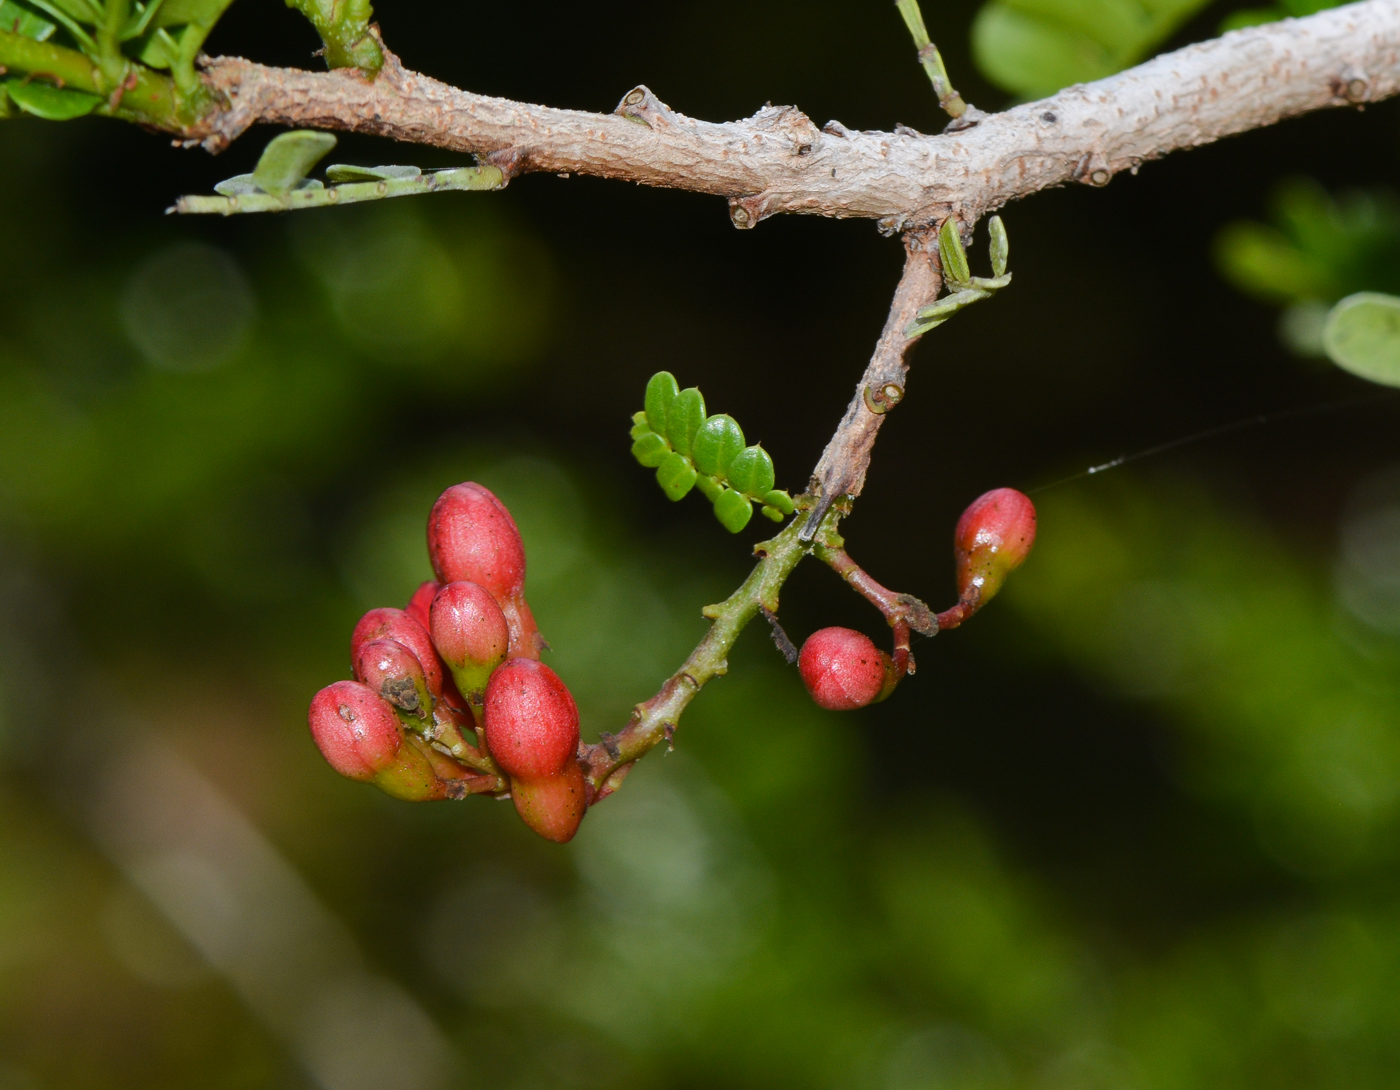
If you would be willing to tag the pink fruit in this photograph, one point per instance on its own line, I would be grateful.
(552, 806)
(530, 719)
(387, 623)
(422, 599)
(359, 736)
(470, 633)
(992, 539)
(843, 669)
(472, 538)
(391, 670)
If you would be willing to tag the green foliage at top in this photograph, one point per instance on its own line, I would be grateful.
(691, 450)
(1316, 249)
(1033, 48)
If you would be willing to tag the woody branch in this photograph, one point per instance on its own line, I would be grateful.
(778, 160)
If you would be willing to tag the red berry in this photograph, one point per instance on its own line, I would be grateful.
(472, 538)
(552, 806)
(470, 633)
(422, 599)
(356, 732)
(530, 719)
(359, 736)
(992, 539)
(394, 672)
(387, 623)
(843, 669)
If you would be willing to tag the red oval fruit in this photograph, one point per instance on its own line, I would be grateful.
(356, 732)
(421, 601)
(552, 806)
(992, 539)
(359, 736)
(387, 623)
(391, 670)
(844, 670)
(472, 538)
(530, 719)
(470, 633)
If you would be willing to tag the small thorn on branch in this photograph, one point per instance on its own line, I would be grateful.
(780, 637)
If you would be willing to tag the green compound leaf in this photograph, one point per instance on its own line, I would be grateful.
(733, 510)
(651, 450)
(662, 389)
(684, 417)
(289, 158)
(779, 500)
(716, 443)
(751, 471)
(676, 476)
(22, 21)
(1362, 335)
(49, 102)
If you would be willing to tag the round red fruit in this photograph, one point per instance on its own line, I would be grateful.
(472, 538)
(992, 539)
(844, 670)
(552, 806)
(394, 672)
(530, 719)
(356, 732)
(470, 633)
(388, 623)
(422, 599)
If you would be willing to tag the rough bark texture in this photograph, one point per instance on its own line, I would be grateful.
(779, 161)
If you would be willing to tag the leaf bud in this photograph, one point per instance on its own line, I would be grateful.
(844, 670)
(992, 539)
(472, 538)
(552, 806)
(421, 601)
(392, 671)
(470, 633)
(360, 737)
(530, 719)
(387, 623)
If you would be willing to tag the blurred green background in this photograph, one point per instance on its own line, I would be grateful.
(1135, 828)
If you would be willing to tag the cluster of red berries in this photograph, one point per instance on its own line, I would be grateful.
(844, 670)
(460, 661)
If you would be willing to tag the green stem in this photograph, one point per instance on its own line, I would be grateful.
(150, 99)
(655, 721)
(344, 29)
(109, 46)
(463, 178)
(952, 102)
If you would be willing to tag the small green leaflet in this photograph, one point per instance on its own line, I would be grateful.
(288, 159)
(1362, 335)
(49, 102)
(690, 450)
(22, 21)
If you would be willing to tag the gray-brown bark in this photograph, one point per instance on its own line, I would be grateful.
(779, 161)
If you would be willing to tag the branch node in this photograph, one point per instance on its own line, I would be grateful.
(1352, 85)
(1093, 169)
(643, 107)
(882, 400)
